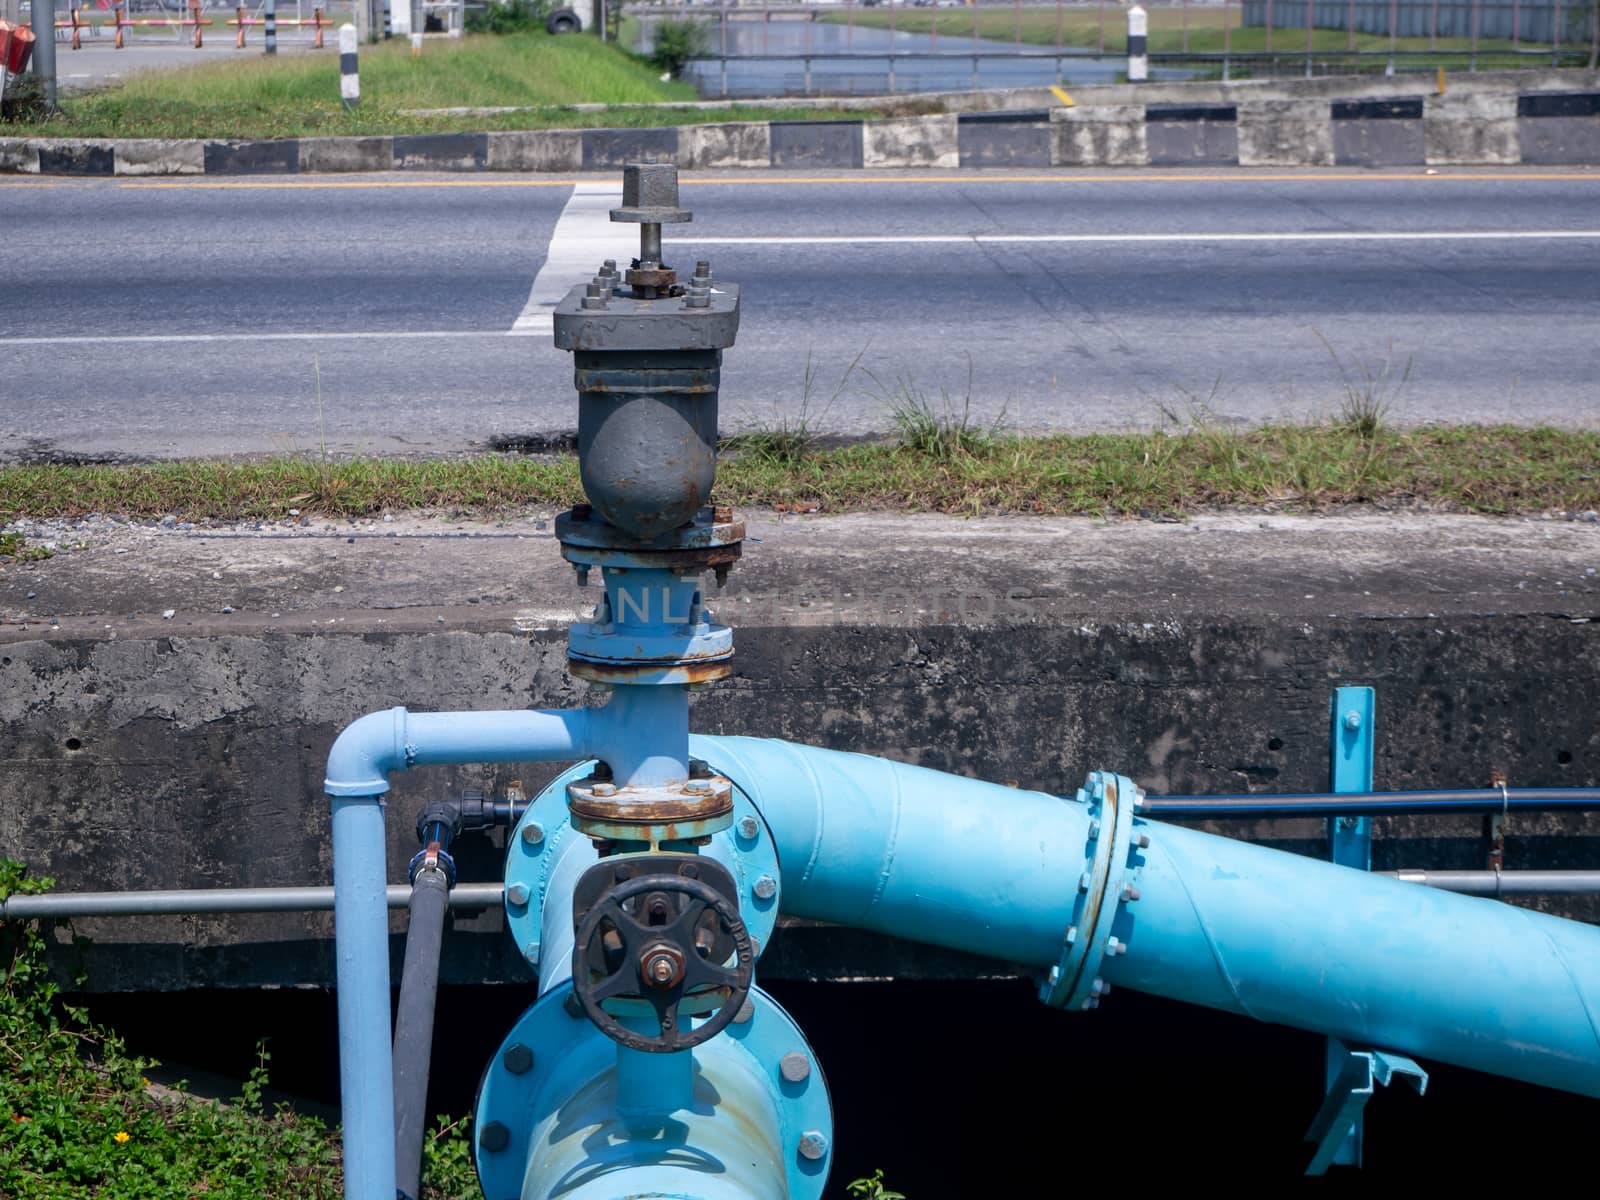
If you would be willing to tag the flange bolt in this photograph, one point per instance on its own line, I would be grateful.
(766, 887)
(494, 1137)
(517, 893)
(532, 833)
(592, 297)
(749, 827)
(518, 1059)
(813, 1145)
(795, 1067)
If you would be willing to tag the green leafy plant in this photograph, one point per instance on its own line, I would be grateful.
(516, 16)
(872, 1188)
(676, 42)
(13, 545)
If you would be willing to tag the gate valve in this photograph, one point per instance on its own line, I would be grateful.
(660, 935)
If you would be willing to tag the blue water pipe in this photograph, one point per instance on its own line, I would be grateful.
(694, 845)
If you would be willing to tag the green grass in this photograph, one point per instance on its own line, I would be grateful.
(1082, 28)
(298, 95)
(1488, 469)
(81, 1122)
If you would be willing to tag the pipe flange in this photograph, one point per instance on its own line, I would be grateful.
(609, 644)
(1106, 887)
(545, 833)
(581, 528)
(694, 808)
(539, 1070)
(648, 673)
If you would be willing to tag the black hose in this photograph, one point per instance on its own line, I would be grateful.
(1372, 804)
(413, 1029)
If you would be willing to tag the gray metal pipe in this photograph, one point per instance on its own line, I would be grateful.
(413, 1027)
(218, 900)
(43, 21)
(1504, 883)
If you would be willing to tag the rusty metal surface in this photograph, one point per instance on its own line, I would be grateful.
(624, 673)
(605, 801)
(711, 528)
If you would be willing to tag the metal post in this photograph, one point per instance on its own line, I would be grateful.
(271, 18)
(1350, 840)
(1477, 12)
(1060, 28)
(1555, 36)
(1516, 24)
(44, 48)
(1433, 25)
(1350, 25)
(1394, 32)
(1227, 38)
(1311, 26)
(388, 21)
(1138, 58)
(1017, 22)
(349, 73)
(1186, 26)
(1269, 26)
(1100, 44)
(807, 61)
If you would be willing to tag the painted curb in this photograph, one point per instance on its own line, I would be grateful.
(1547, 128)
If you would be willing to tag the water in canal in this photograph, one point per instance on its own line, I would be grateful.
(860, 63)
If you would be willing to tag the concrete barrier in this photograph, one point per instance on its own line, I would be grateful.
(1480, 120)
(143, 752)
(1108, 136)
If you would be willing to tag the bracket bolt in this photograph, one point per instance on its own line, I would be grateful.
(1141, 840)
(766, 887)
(746, 1011)
(1071, 935)
(1099, 987)
(532, 833)
(1130, 893)
(494, 1137)
(1352, 720)
(531, 953)
(592, 297)
(1094, 829)
(583, 573)
(813, 1145)
(1054, 977)
(749, 827)
(795, 1067)
(517, 893)
(518, 1059)
(1084, 881)
(1115, 946)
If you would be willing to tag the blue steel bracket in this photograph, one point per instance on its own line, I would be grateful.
(1108, 885)
(1359, 1075)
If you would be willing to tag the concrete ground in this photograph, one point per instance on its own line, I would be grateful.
(172, 317)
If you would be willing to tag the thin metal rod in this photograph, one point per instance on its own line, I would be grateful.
(218, 900)
(1503, 883)
(1372, 804)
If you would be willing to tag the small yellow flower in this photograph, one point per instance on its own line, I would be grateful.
(120, 1136)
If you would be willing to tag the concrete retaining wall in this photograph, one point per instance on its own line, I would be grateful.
(1363, 123)
(141, 752)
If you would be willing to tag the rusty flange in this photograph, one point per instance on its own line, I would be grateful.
(692, 809)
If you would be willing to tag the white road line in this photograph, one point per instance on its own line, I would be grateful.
(164, 338)
(584, 237)
(926, 239)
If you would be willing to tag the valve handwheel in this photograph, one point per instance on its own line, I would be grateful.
(656, 937)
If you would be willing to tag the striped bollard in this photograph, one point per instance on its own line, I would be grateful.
(416, 45)
(270, 19)
(349, 78)
(1138, 57)
(388, 22)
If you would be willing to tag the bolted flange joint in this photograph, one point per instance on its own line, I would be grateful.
(1102, 921)
(681, 812)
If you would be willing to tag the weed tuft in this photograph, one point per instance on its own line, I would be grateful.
(1371, 391)
(939, 431)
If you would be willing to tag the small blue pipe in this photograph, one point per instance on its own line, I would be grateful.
(650, 727)
(358, 766)
(361, 926)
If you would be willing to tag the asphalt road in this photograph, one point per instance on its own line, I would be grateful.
(193, 317)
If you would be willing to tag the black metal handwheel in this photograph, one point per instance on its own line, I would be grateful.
(656, 937)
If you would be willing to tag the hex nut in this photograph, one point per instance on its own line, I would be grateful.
(532, 833)
(517, 893)
(765, 888)
(494, 1137)
(749, 827)
(813, 1145)
(518, 1059)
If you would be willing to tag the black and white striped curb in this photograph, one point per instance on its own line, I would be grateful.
(1540, 129)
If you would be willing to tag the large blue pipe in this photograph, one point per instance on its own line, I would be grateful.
(1226, 924)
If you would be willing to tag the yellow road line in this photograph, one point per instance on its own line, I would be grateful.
(1061, 95)
(1245, 175)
